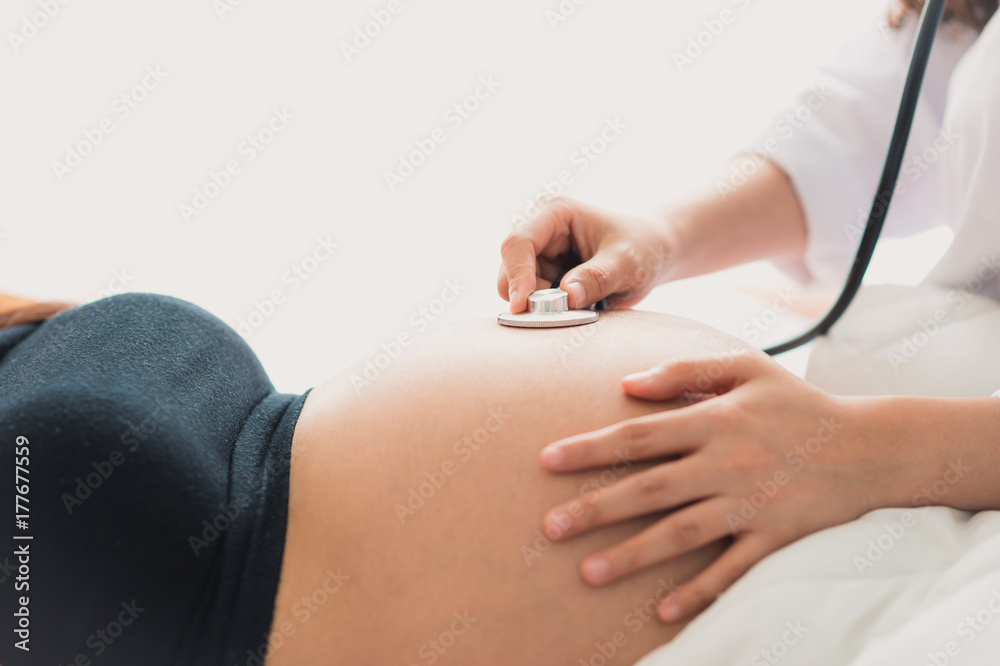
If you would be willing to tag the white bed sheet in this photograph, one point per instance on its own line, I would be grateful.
(917, 586)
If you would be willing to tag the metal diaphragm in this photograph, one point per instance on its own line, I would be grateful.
(548, 308)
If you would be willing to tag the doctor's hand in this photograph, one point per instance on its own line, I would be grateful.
(765, 458)
(605, 254)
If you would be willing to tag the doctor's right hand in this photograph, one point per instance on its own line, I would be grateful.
(603, 255)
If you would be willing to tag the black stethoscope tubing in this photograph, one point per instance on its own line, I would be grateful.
(930, 21)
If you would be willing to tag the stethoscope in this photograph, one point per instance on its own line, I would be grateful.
(548, 308)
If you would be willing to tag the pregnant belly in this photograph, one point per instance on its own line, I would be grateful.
(416, 502)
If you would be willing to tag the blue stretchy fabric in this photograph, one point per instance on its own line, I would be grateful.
(158, 463)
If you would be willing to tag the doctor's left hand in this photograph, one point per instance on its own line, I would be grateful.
(766, 460)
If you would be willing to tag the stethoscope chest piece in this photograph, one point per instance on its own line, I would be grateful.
(548, 308)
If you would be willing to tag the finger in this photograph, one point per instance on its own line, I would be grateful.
(683, 531)
(525, 242)
(665, 486)
(640, 438)
(519, 263)
(600, 276)
(716, 374)
(549, 270)
(697, 594)
(503, 287)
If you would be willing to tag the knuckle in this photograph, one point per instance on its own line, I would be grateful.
(635, 434)
(591, 512)
(741, 464)
(730, 415)
(514, 239)
(558, 201)
(684, 367)
(685, 532)
(601, 278)
(597, 279)
(648, 489)
(631, 265)
(749, 362)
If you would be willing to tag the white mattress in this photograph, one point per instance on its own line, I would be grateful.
(898, 586)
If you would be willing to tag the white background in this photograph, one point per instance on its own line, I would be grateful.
(118, 212)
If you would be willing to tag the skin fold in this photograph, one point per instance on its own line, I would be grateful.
(417, 500)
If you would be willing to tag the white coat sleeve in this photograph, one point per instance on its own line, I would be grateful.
(832, 141)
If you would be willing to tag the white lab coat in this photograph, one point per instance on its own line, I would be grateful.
(834, 152)
(898, 586)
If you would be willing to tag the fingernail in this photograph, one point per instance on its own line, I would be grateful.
(670, 612)
(577, 294)
(639, 377)
(513, 296)
(553, 528)
(596, 570)
(553, 456)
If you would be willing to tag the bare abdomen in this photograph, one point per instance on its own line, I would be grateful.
(421, 493)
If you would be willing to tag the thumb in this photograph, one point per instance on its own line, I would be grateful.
(595, 279)
(706, 375)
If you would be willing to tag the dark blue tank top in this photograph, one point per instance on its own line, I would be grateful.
(151, 455)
